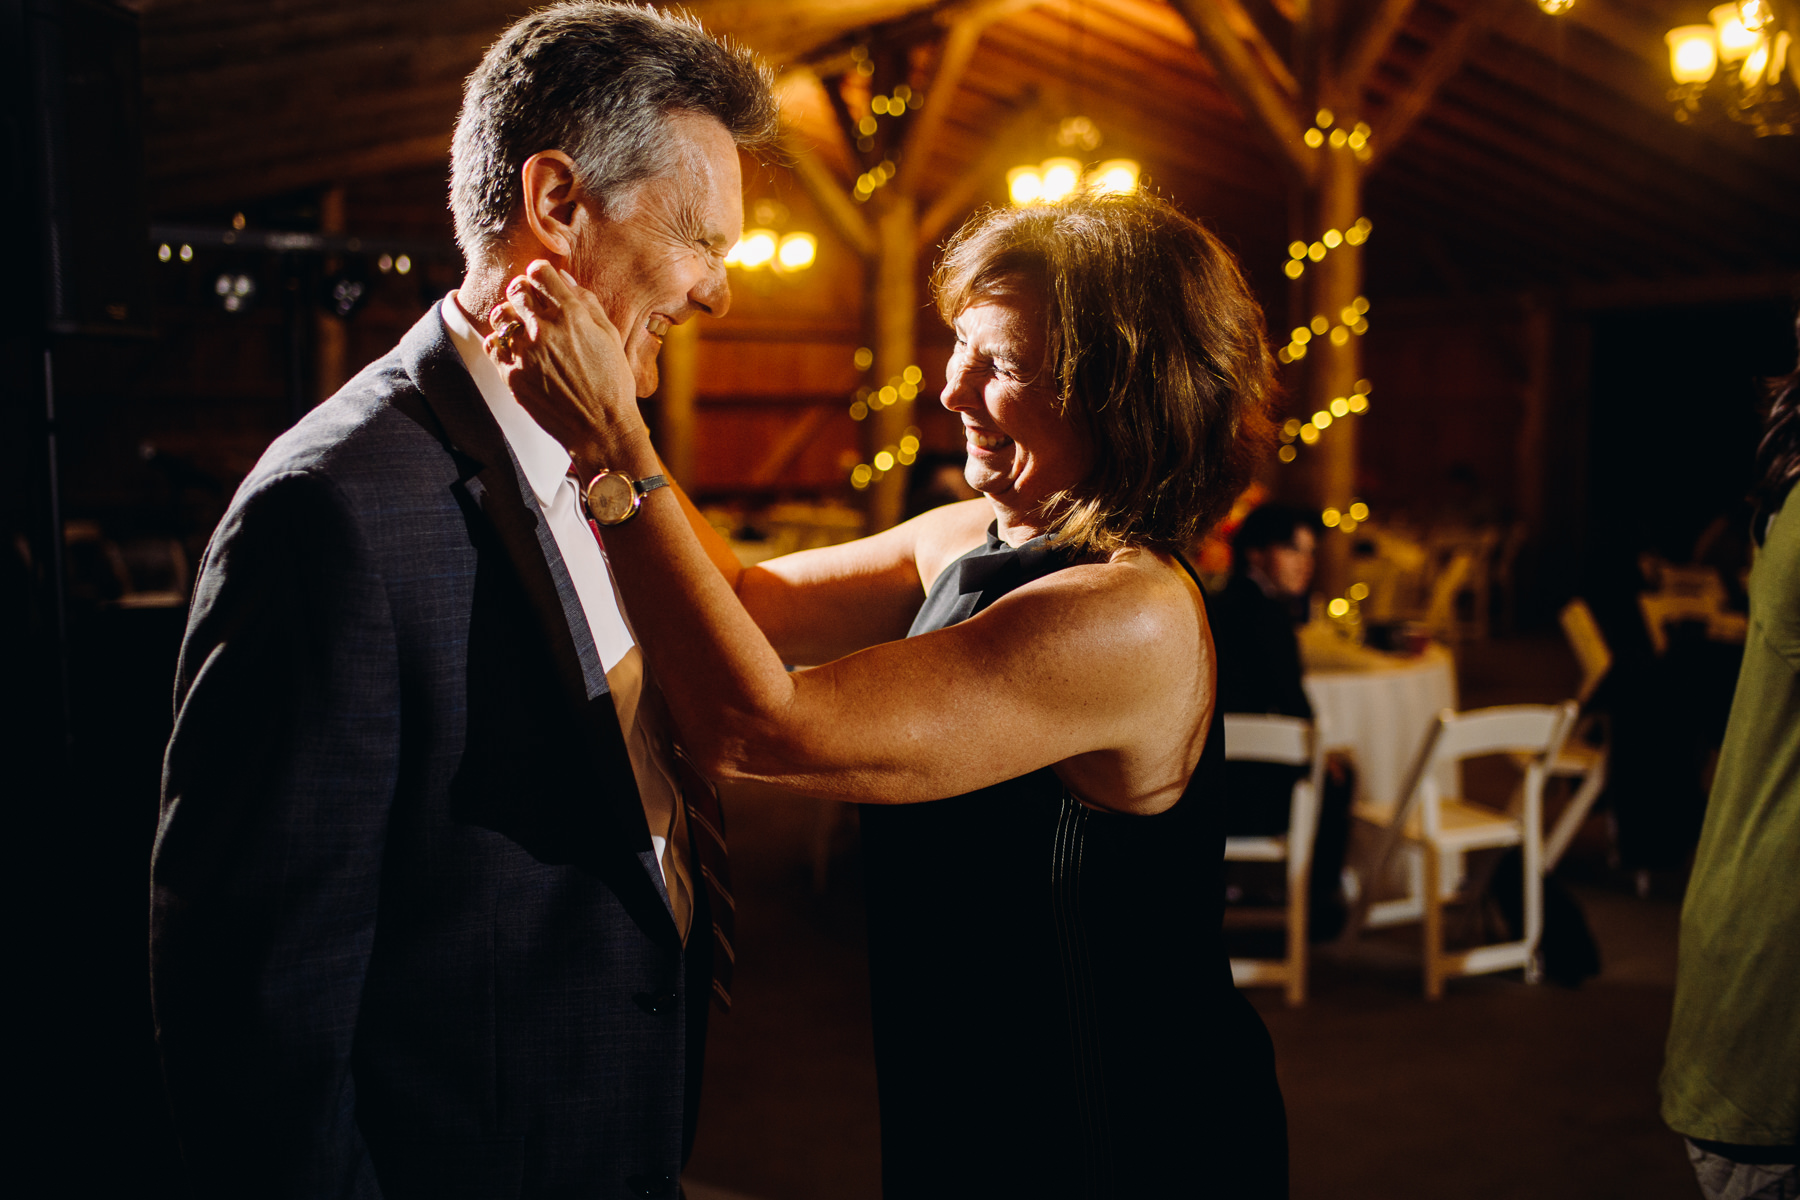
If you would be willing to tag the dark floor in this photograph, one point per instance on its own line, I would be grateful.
(1499, 1090)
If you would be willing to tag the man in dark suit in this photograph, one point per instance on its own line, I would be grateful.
(433, 912)
(1253, 620)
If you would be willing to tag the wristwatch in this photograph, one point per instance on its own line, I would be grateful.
(613, 499)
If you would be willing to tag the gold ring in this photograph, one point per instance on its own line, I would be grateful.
(503, 336)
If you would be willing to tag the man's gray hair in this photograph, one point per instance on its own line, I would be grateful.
(597, 81)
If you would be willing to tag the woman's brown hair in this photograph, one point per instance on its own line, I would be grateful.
(1156, 348)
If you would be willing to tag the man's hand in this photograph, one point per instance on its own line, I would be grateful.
(565, 363)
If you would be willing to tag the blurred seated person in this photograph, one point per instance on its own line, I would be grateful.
(1253, 622)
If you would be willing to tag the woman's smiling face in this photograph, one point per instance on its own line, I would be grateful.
(1021, 451)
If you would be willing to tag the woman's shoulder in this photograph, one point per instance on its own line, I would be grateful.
(1140, 597)
(944, 534)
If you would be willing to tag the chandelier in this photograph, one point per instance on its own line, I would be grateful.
(1752, 41)
(1057, 178)
(762, 246)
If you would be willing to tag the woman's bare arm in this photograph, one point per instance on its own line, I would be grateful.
(1093, 660)
(817, 605)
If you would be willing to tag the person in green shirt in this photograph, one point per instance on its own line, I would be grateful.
(1731, 1076)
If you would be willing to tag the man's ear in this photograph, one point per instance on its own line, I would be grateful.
(547, 181)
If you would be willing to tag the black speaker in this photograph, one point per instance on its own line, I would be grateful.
(88, 147)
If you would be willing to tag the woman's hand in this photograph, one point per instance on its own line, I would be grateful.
(565, 363)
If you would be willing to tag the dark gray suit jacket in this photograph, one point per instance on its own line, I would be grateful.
(408, 935)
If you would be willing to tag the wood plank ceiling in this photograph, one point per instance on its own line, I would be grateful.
(1545, 159)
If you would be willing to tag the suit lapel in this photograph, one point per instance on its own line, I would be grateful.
(495, 487)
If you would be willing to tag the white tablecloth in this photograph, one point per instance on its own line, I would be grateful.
(1381, 712)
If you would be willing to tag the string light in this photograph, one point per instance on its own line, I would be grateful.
(1308, 432)
(904, 386)
(1300, 253)
(1346, 522)
(1356, 138)
(874, 177)
(902, 454)
(1352, 319)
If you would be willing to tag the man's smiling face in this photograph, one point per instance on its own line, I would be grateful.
(658, 259)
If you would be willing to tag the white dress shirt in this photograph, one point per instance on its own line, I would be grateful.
(643, 718)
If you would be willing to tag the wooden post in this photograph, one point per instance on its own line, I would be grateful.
(680, 371)
(1332, 61)
(1335, 363)
(893, 304)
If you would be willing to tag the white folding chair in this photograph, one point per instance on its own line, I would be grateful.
(1433, 831)
(1294, 742)
(1440, 609)
(1584, 751)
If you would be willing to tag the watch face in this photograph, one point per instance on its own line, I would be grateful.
(611, 498)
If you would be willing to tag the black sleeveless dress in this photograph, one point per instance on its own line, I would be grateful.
(1053, 1007)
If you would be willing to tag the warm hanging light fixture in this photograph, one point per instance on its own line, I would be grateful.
(1753, 39)
(1056, 179)
(1693, 55)
(764, 246)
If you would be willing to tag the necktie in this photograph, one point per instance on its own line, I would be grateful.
(706, 834)
(706, 840)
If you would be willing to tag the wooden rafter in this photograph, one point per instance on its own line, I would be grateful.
(1443, 62)
(963, 192)
(922, 132)
(1594, 90)
(826, 192)
(1249, 82)
(1239, 22)
(1370, 44)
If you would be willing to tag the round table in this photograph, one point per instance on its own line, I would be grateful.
(1380, 709)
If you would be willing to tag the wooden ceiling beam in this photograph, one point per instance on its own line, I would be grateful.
(1452, 211)
(1443, 61)
(238, 184)
(922, 131)
(1155, 85)
(1614, 76)
(833, 202)
(962, 193)
(1111, 42)
(230, 152)
(1258, 95)
(1589, 218)
(1566, 145)
(1585, 84)
(1705, 289)
(926, 22)
(1370, 44)
(1162, 120)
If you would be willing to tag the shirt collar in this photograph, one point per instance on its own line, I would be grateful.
(542, 457)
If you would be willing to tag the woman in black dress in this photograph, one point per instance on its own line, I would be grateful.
(1018, 689)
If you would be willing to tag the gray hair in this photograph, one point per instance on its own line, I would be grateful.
(597, 81)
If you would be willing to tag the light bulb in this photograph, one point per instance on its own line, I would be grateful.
(1024, 185)
(755, 249)
(797, 251)
(1061, 177)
